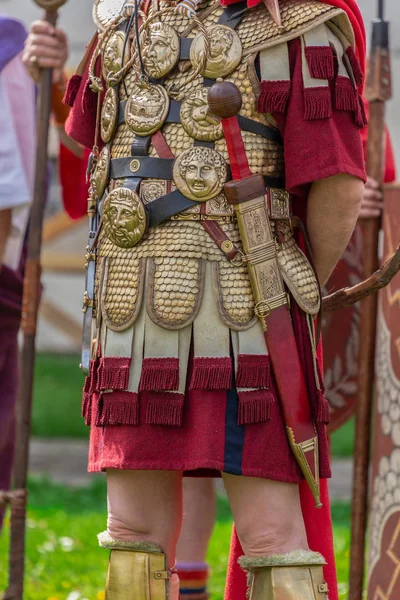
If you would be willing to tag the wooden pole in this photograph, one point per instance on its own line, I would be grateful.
(377, 93)
(30, 307)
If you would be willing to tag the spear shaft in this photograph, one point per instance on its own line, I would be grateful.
(30, 306)
(378, 92)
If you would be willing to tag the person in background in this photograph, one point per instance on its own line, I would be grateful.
(17, 156)
(17, 147)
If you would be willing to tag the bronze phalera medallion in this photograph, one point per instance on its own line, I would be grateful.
(197, 119)
(225, 52)
(161, 50)
(200, 173)
(124, 218)
(101, 173)
(146, 109)
(112, 57)
(109, 115)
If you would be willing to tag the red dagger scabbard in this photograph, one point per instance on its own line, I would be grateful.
(248, 195)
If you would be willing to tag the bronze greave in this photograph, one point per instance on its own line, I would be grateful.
(293, 576)
(134, 575)
(136, 570)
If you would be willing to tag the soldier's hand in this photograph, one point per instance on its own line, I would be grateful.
(45, 46)
(372, 202)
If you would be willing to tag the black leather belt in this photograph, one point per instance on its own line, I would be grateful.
(246, 124)
(141, 167)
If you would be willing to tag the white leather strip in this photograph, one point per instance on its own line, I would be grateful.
(210, 334)
(274, 63)
(135, 371)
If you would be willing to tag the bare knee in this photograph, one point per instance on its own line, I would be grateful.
(273, 538)
(145, 506)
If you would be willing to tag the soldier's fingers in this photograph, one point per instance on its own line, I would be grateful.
(42, 39)
(41, 52)
(372, 183)
(51, 63)
(61, 36)
(375, 195)
(369, 213)
(41, 27)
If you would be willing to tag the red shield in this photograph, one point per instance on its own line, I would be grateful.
(384, 556)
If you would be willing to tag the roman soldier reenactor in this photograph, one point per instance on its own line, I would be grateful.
(226, 178)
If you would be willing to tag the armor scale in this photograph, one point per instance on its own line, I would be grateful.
(160, 290)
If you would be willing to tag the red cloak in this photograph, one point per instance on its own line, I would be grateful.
(318, 522)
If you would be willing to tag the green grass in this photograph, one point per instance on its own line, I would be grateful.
(342, 441)
(57, 398)
(63, 556)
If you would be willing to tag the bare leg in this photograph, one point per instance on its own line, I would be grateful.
(146, 506)
(199, 512)
(267, 515)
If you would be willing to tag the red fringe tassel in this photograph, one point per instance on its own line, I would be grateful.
(211, 374)
(274, 96)
(324, 413)
(89, 99)
(119, 408)
(317, 103)
(320, 62)
(72, 90)
(254, 371)
(113, 373)
(355, 65)
(165, 409)
(87, 401)
(360, 116)
(345, 94)
(160, 374)
(255, 406)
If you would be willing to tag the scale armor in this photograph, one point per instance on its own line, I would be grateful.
(154, 300)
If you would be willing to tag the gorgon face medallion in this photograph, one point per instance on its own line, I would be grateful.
(200, 173)
(161, 50)
(112, 56)
(109, 115)
(146, 109)
(197, 119)
(101, 173)
(124, 218)
(224, 55)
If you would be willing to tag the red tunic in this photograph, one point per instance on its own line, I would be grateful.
(210, 438)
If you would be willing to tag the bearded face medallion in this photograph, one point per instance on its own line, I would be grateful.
(200, 173)
(124, 218)
(161, 50)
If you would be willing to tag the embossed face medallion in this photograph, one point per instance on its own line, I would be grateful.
(161, 50)
(197, 120)
(146, 109)
(124, 218)
(109, 114)
(224, 55)
(112, 56)
(200, 173)
(100, 176)
(151, 190)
